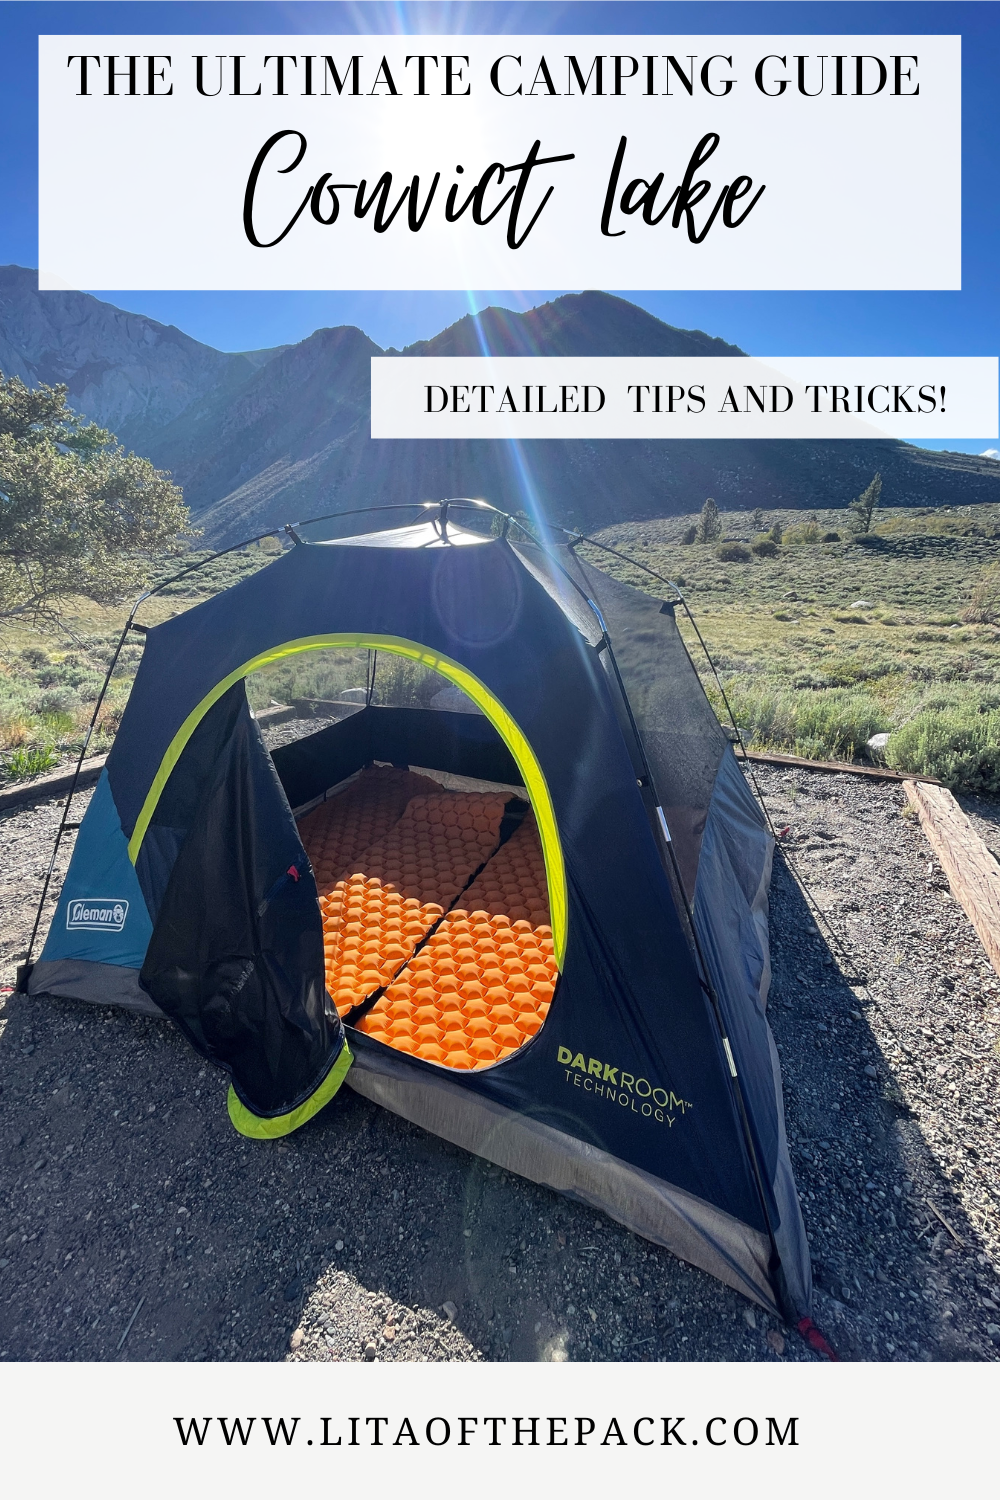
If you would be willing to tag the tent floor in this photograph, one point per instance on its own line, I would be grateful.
(428, 905)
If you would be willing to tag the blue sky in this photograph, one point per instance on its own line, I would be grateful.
(767, 323)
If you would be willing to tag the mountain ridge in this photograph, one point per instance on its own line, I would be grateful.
(578, 323)
(262, 437)
(123, 370)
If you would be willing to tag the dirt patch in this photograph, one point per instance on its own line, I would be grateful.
(122, 1181)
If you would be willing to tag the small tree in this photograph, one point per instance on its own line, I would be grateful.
(709, 522)
(776, 532)
(78, 515)
(863, 508)
(757, 519)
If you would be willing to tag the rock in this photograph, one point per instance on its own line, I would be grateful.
(450, 1311)
(751, 1320)
(369, 1351)
(389, 1332)
(775, 1341)
(877, 745)
(862, 604)
(870, 1070)
(339, 1245)
(295, 1342)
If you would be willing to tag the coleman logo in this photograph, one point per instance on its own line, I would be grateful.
(96, 914)
(621, 1089)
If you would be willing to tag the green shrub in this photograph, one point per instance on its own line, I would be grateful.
(57, 701)
(315, 674)
(689, 536)
(805, 535)
(846, 671)
(764, 547)
(957, 745)
(733, 552)
(824, 724)
(984, 605)
(57, 726)
(830, 536)
(21, 764)
(324, 675)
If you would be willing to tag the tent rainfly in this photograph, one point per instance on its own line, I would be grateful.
(563, 970)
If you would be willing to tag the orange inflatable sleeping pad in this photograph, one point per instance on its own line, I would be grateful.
(400, 886)
(482, 985)
(336, 832)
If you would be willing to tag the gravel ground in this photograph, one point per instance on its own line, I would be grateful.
(134, 1223)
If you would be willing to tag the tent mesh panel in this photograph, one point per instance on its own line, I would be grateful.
(681, 737)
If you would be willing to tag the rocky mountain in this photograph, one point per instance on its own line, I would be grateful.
(294, 439)
(591, 323)
(281, 444)
(123, 370)
(259, 439)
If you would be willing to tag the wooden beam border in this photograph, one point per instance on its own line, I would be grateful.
(973, 874)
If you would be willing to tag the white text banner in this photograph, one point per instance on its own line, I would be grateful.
(910, 398)
(430, 162)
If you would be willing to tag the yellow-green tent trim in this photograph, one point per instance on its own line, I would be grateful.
(263, 1128)
(509, 731)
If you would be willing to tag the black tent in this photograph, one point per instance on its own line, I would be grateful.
(626, 1061)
